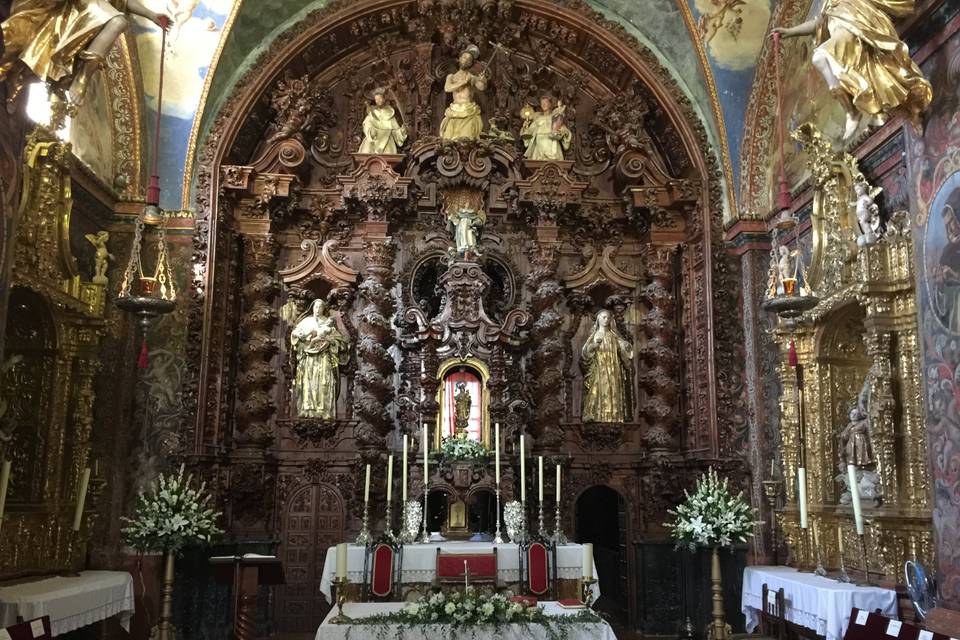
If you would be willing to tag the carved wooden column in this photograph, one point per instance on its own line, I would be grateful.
(373, 391)
(660, 375)
(882, 413)
(547, 355)
(257, 377)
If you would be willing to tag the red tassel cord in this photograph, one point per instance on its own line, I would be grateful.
(792, 355)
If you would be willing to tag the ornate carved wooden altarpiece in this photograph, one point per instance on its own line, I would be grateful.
(287, 213)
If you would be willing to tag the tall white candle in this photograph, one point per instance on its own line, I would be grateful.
(389, 477)
(840, 539)
(366, 487)
(523, 473)
(81, 499)
(496, 449)
(802, 495)
(342, 560)
(855, 498)
(404, 468)
(426, 464)
(540, 478)
(587, 561)
(558, 485)
(4, 486)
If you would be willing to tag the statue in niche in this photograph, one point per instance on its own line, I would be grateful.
(465, 225)
(382, 133)
(544, 134)
(65, 40)
(864, 63)
(605, 358)
(462, 118)
(868, 213)
(855, 449)
(856, 438)
(461, 403)
(318, 348)
(101, 257)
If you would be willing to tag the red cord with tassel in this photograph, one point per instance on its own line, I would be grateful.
(792, 354)
(142, 359)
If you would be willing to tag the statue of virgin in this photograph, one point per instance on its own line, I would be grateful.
(604, 360)
(318, 348)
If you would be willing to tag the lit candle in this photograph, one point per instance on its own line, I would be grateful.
(496, 449)
(366, 487)
(540, 478)
(342, 560)
(802, 495)
(81, 499)
(4, 485)
(840, 538)
(404, 468)
(588, 561)
(523, 473)
(558, 485)
(426, 467)
(855, 498)
(389, 477)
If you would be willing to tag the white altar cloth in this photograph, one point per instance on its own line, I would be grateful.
(71, 602)
(812, 601)
(420, 562)
(592, 631)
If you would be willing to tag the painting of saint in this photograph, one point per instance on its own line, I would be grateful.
(942, 255)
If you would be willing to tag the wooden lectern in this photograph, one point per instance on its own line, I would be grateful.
(247, 573)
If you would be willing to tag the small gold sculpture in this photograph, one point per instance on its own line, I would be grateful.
(382, 133)
(318, 348)
(462, 118)
(102, 256)
(62, 41)
(864, 63)
(461, 402)
(544, 134)
(604, 359)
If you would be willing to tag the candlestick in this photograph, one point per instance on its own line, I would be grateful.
(587, 560)
(404, 483)
(4, 486)
(820, 570)
(496, 450)
(540, 478)
(389, 479)
(81, 499)
(558, 535)
(843, 577)
(342, 560)
(341, 586)
(771, 491)
(586, 592)
(855, 498)
(863, 555)
(540, 527)
(802, 495)
(558, 485)
(523, 476)
(498, 538)
(366, 487)
(425, 538)
(364, 538)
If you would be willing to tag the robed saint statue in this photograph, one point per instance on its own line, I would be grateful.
(605, 361)
(318, 348)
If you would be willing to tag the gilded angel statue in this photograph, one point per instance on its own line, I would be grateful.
(65, 41)
(868, 213)
(102, 257)
(864, 63)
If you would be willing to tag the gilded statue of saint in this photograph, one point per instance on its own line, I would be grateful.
(863, 61)
(382, 133)
(856, 438)
(65, 40)
(318, 348)
(544, 134)
(461, 408)
(462, 118)
(605, 359)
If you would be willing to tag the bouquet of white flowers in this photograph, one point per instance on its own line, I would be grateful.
(173, 515)
(462, 448)
(712, 516)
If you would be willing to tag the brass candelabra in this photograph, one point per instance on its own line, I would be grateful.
(586, 591)
(340, 584)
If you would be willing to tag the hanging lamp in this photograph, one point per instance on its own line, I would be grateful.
(148, 294)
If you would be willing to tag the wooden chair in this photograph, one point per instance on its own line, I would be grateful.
(538, 570)
(382, 565)
(773, 623)
(38, 629)
(451, 568)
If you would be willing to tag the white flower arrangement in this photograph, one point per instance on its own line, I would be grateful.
(173, 515)
(412, 518)
(712, 516)
(513, 518)
(462, 448)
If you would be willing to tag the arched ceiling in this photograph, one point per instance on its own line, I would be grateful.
(682, 34)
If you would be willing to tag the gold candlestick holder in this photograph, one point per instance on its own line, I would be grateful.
(498, 539)
(586, 591)
(771, 492)
(844, 576)
(340, 584)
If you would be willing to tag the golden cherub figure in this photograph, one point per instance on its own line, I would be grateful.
(102, 257)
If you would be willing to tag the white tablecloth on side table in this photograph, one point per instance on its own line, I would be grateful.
(71, 602)
(812, 601)
(587, 631)
(420, 563)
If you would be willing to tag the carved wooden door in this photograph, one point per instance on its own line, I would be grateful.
(312, 522)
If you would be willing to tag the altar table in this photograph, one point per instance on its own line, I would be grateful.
(420, 561)
(586, 631)
(71, 602)
(812, 601)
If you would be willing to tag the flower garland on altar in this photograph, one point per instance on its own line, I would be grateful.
(461, 448)
(465, 611)
(712, 516)
(173, 515)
